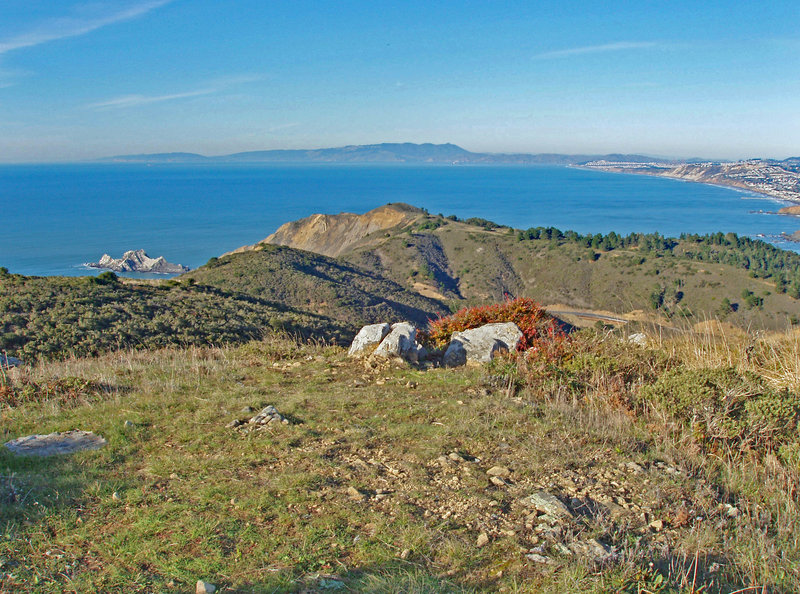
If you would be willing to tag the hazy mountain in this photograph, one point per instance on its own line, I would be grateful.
(387, 152)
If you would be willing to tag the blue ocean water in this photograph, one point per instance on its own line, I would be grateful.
(53, 218)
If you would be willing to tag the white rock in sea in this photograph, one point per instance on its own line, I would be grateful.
(138, 261)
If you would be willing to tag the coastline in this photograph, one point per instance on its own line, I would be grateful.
(721, 184)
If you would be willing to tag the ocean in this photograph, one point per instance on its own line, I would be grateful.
(55, 218)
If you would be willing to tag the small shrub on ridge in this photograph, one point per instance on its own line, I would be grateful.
(537, 326)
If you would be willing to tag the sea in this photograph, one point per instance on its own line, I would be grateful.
(56, 218)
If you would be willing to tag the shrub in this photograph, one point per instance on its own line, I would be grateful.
(536, 325)
(724, 406)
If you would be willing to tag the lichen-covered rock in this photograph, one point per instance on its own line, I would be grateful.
(401, 342)
(547, 504)
(51, 444)
(368, 337)
(481, 345)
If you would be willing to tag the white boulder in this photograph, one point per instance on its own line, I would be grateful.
(481, 345)
(401, 342)
(368, 337)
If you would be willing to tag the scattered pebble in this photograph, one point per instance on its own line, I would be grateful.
(129, 424)
(405, 554)
(355, 494)
(657, 525)
(116, 496)
(483, 540)
(500, 471)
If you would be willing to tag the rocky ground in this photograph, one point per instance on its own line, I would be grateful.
(284, 467)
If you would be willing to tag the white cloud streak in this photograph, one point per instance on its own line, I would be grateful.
(596, 49)
(62, 28)
(137, 100)
(210, 87)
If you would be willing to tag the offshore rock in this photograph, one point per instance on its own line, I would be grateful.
(481, 345)
(367, 337)
(138, 261)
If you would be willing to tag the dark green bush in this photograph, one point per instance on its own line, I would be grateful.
(724, 406)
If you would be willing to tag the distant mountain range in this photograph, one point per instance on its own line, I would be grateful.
(387, 152)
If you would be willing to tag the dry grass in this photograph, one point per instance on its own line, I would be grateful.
(270, 510)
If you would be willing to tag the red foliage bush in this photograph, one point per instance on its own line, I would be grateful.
(538, 328)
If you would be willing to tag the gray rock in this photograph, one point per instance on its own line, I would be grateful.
(204, 587)
(268, 415)
(548, 504)
(367, 337)
(593, 550)
(481, 345)
(7, 362)
(638, 338)
(55, 443)
(401, 342)
(537, 558)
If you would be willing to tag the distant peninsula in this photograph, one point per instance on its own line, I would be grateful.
(387, 152)
(138, 261)
(773, 178)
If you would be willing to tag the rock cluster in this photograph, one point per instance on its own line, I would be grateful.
(383, 340)
(268, 415)
(477, 345)
(138, 261)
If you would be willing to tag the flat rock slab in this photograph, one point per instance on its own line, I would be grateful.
(67, 442)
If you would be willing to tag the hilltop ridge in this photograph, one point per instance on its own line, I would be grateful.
(332, 235)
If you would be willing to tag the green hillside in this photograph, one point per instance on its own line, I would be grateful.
(746, 283)
(54, 317)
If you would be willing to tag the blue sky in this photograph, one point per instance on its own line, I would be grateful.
(82, 79)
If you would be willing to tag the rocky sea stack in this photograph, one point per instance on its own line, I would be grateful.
(138, 261)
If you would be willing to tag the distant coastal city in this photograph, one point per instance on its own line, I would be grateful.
(776, 179)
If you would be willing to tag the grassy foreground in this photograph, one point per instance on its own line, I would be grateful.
(379, 482)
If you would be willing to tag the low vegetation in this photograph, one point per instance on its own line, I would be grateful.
(55, 317)
(681, 458)
(538, 329)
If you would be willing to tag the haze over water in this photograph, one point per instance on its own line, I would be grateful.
(57, 217)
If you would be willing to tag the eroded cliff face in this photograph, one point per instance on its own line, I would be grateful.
(333, 235)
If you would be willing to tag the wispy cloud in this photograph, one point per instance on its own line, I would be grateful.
(596, 49)
(136, 100)
(73, 26)
(216, 85)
